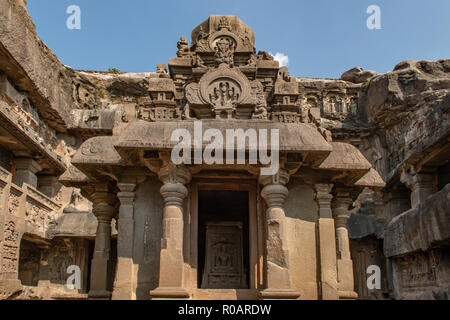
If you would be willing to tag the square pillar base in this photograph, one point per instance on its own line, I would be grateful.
(278, 294)
(162, 293)
(99, 295)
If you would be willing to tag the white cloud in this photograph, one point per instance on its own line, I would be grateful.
(281, 58)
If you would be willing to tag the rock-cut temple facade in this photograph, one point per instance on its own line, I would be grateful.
(93, 205)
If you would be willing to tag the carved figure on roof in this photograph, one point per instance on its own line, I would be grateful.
(224, 51)
(183, 47)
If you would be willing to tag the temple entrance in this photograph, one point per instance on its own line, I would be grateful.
(223, 243)
(224, 235)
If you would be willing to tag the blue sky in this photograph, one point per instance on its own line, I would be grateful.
(322, 38)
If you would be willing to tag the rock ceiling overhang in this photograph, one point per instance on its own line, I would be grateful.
(335, 162)
(295, 137)
(371, 179)
(345, 166)
(19, 137)
(346, 163)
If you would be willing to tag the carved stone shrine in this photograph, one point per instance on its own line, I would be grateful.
(87, 180)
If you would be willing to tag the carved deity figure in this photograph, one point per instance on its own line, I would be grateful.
(260, 113)
(183, 47)
(223, 96)
(224, 51)
(161, 68)
(224, 24)
(199, 62)
(252, 61)
(223, 258)
(201, 35)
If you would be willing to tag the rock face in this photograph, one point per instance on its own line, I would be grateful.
(85, 161)
(358, 75)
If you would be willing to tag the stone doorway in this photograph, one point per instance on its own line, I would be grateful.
(223, 244)
(225, 236)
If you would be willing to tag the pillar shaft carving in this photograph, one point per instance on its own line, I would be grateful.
(125, 274)
(274, 193)
(341, 213)
(328, 283)
(173, 192)
(104, 210)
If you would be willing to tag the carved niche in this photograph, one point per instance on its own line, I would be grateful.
(224, 266)
(225, 93)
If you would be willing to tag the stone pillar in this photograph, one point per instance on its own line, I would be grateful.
(171, 269)
(395, 203)
(421, 185)
(341, 214)
(49, 185)
(125, 280)
(278, 277)
(44, 266)
(104, 210)
(328, 283)
(25, 171)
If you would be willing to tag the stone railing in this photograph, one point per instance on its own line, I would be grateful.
(28, 208)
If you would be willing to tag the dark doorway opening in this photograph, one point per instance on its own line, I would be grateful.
(223, 206)
(29, 263)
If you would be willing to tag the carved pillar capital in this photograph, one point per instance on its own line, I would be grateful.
(172, 173)
(341, 213)
(26, 169)
(323, 197)
(280, 178)
(421, 184)
(104, 202)
(49, 185)
(174, 194)
(126, 195)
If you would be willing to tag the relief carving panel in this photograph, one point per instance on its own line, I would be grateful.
(224, 268)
